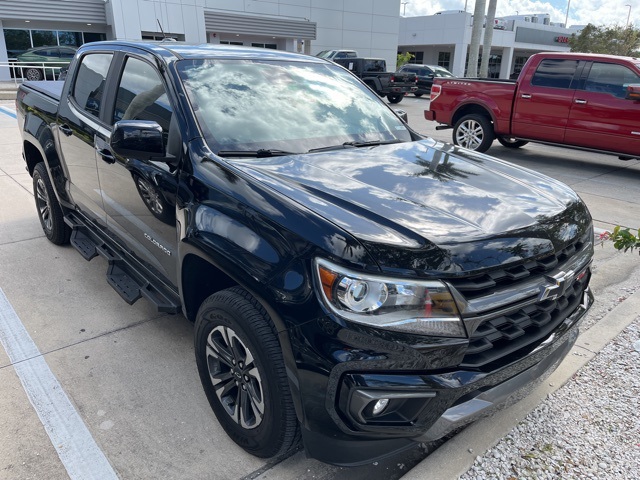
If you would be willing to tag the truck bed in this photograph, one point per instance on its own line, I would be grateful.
(51, 89)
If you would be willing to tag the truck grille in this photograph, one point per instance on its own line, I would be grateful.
(506, 334)
(486, 284)
(510, 331)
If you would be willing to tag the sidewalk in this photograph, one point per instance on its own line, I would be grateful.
(8, 89)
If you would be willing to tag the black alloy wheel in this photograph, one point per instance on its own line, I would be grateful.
(49, 210)
(243, 375)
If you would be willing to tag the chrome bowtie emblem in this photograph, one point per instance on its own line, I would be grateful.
(559, 284)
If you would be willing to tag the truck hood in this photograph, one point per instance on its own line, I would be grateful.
(430, 206)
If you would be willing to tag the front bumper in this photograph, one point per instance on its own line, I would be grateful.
(424, 404)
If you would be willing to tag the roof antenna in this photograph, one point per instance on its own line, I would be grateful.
(164, 35)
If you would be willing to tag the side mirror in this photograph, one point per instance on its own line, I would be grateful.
(403, 115)
(633, 92)
(140, 139)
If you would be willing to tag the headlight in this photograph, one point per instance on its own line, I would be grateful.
(411, 306)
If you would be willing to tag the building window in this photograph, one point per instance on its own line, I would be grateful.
(416, 58)
(159, 36)
(518, 63)
(444, 59)
(227, 42)
(494, 66)
(17, 41)
(73, 39)
(272, 46)
(44, 38)
(93, 37)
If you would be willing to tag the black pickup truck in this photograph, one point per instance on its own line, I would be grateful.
(373, 72)
(351, 282)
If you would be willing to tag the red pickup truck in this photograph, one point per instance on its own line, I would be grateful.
(584, 101)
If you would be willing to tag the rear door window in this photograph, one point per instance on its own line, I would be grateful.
(555, 72)
(88, 89)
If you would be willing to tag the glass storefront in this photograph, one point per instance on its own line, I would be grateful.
(20, 40)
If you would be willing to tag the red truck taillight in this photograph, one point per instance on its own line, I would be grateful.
(435, 92)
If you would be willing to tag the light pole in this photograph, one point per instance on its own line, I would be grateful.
(566, 19)
(628, 15)
(404, 8)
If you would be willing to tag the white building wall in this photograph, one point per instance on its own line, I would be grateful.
(452, 33)
(129, 18)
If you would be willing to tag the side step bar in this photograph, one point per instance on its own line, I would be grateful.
(131, 281)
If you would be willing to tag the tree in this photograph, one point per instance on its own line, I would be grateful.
(404, 58)
(612, 40)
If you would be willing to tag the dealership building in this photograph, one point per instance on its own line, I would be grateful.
(372, 27)
(443, 39)
(309, 26)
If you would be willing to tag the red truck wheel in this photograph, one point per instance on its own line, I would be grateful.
(474, 132)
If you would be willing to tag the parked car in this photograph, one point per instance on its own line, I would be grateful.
(426, 74)
(333, 54)
(373, 72)
(579, 100)
(45, 61)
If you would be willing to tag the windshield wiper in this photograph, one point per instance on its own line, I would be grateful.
(261, 153)
(355, 145)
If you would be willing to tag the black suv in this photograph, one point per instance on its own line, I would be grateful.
(426, 74)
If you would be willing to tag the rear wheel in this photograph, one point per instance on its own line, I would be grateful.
(511, 142)
(395, 98)
(474, 132)
(33, 74)
(418, 94)
(243, 375)
(49, 210)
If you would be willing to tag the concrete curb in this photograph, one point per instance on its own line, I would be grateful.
(457, 455)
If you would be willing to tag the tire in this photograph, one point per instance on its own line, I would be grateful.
(33, 74)
(236, 346)
(511, 142)
(395, 98)
(48, 208)
(474, 132)
(418, 94)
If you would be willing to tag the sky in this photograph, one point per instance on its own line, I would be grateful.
(581, 12)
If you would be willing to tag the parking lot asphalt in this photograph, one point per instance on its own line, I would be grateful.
(124, 377)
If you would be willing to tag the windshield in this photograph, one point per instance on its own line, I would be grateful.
(442, 72)
(290, 106)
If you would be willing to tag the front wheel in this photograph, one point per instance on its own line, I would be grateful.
(474, 132)
(49, 210)
(395, 98)
(511, 142)
(243, 374)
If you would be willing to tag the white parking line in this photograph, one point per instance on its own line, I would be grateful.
(71, 438)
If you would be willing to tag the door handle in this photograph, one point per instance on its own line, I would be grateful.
(525, 95)
(580, 101)
(66, 130)
(106, 155)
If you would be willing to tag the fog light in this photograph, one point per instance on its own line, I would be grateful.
(380, 405)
